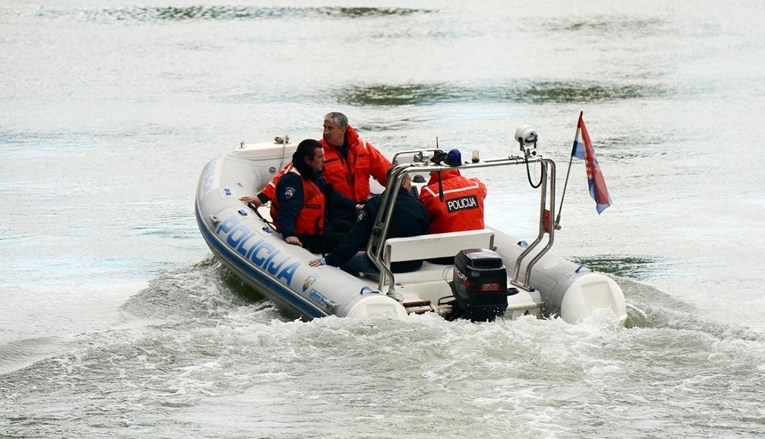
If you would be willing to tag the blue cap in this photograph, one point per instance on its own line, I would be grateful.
(454, 158)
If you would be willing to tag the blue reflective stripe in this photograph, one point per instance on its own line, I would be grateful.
(300, 304)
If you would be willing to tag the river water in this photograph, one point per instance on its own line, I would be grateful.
(116, 321)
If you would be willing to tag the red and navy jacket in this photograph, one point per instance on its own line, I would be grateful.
(299, 207)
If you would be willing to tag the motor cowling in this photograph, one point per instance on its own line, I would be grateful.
(479, 285)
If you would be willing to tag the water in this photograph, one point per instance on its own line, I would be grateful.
(117, 322)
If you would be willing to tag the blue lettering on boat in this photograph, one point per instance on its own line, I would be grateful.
(271, 265)
(235, 236)
(263, 254)
(227, 225)
(288, 271)
(247, 252)
(262, 261)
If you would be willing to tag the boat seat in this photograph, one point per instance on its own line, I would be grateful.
(436, 245)
(426, 274)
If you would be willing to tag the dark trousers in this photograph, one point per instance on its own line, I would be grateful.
(321, 244)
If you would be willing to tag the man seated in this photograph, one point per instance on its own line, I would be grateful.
(409, 218)
(299, 210)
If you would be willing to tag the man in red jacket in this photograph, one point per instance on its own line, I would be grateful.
(454, 202)
(349, 162)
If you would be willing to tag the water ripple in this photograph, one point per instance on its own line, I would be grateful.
(608, 25)
(537, 92)
(222, 13)
(636, 267)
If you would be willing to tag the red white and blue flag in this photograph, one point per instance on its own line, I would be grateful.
(583, 150)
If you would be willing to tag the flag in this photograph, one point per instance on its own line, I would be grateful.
(583, 150)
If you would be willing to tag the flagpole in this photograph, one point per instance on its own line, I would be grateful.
(568, 172)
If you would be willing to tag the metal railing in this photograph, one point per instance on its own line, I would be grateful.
(419, 161)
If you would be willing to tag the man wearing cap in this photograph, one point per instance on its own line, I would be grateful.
(454, 202)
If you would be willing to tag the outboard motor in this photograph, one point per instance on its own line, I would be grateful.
(479, 285)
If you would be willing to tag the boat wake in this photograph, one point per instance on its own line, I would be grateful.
(197, 343)
(205, 290)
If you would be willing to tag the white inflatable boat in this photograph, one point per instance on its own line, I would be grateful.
(493, 275)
